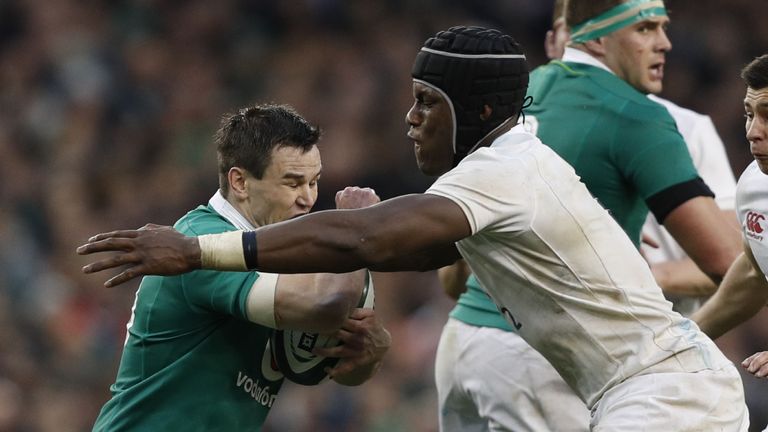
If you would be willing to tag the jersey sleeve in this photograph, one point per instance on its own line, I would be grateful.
(752, 210)
(651, 152)
(221, 292)
(493, 196)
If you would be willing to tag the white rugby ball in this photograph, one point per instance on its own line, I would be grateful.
(292, 349)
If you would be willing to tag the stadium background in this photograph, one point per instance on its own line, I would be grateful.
(107, 110)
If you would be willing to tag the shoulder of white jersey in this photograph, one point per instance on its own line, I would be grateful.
(685, 118)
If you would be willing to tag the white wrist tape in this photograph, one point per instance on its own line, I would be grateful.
(222, 251)
(261, 300)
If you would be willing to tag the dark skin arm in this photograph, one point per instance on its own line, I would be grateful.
(412, 232)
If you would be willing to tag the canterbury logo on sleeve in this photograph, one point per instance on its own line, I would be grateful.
(752, 223)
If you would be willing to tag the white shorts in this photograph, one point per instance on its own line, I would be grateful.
(708, 400)
(491, 380)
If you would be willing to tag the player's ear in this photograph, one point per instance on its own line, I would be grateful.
(596, 47)
(237, 179)
(486, 112)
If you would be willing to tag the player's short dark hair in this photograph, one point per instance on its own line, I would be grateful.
(474, 67)
(579, 11)
(755, 74)
(246, 139)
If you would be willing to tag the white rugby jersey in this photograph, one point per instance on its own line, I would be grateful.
(563, 272)
(711, 161)
(752, 208)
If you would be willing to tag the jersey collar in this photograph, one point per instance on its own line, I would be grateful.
(228, 212)
(574, 55)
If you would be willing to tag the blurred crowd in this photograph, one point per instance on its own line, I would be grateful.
(107, 111)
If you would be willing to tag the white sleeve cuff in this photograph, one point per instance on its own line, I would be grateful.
(261, 300)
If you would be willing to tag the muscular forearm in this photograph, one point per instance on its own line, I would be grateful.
(334, 241)
(385, 237)
(378, 237)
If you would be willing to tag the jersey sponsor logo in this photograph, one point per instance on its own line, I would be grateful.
(752, 223)
(260, 394)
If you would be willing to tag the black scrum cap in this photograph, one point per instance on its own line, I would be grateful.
(472, 67)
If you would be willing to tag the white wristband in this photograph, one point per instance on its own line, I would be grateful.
(222, 251)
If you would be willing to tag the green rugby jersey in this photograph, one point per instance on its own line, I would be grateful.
(624, 146)
(192, 361)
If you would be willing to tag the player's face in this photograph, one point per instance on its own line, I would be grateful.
(636, 53)
(288, 187)
(431, 130)
(756, 113)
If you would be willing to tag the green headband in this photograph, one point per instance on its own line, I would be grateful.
(616, 18)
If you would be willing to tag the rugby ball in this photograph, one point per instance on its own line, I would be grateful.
(292, 349)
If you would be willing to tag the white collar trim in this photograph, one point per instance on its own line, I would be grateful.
(226, 210)
(574, 55)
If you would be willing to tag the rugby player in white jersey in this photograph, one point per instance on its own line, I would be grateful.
(744, 290)
(532, 396)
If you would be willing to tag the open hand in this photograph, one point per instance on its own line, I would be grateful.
(151, 250)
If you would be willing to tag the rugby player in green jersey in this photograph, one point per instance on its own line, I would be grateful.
(197, 355)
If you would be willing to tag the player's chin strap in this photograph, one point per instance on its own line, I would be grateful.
(528, 101)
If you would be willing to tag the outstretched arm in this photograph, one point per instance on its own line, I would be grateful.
(742, 294)
(329, 241)
(374, 237)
